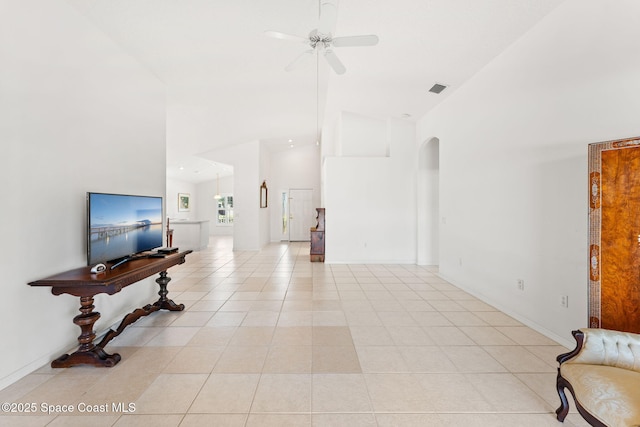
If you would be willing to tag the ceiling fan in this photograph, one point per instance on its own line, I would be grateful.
(321, 39)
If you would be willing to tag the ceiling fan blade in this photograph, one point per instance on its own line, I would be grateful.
(328, 17)
(334, 62)
(349, 41)
(299, 59)
(284, 36)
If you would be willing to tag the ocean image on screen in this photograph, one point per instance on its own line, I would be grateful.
(123, 225)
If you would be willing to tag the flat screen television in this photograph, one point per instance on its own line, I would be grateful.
(119, 226)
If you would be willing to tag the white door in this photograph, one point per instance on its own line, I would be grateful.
(301, 214)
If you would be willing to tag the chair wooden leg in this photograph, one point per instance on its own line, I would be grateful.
(563, 410)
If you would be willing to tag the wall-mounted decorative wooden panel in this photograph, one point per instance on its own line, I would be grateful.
(614, 235)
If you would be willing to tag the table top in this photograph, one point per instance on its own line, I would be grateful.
(188, 221)
(81, 282)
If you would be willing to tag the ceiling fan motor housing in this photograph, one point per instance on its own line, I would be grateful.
(315, 37)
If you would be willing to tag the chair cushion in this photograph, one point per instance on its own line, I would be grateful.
(610, 394)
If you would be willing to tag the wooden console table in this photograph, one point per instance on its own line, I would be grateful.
(82, 283)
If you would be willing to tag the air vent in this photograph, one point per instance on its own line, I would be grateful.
(437, 88)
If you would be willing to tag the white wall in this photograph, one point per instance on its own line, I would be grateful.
(362, 136)
(297, 168)
(513, 159)
(248, 234)
(73, 108)
(428, 199)
(175, 187)
(264, 214)
(371, 201)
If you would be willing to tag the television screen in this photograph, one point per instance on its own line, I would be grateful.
(119, 226)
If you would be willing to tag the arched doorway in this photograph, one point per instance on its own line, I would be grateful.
(428, 188)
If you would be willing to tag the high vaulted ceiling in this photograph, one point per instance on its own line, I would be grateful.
(226, 82)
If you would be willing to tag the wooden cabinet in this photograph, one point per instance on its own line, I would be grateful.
(317, 238)
(614, 235)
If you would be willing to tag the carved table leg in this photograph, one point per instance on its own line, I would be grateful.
(87, 353)
(163, 302)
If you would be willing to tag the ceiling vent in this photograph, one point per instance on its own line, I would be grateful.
(437, 88)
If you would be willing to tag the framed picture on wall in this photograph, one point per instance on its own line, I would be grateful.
(183, 202)
(263, 194)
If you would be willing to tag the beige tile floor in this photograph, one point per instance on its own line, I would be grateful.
(269, 339)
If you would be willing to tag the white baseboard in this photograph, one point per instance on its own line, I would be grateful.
(507, 310)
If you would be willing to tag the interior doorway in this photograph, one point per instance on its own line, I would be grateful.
(301, 214)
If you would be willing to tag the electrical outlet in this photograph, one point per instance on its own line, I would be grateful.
(520, 284)
(564, 301)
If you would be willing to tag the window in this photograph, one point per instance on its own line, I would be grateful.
(224, 214)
